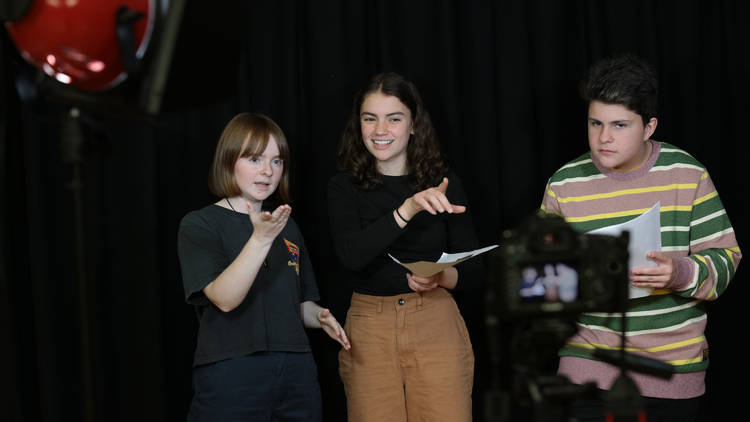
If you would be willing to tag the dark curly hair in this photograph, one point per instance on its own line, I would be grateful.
(625, 80)
(425, 163)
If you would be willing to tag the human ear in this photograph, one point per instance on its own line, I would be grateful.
(650, 128)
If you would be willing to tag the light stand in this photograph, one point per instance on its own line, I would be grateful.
(71, 144)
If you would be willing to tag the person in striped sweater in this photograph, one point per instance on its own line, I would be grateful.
(625, 174)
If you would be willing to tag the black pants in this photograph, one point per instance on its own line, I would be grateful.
(262, 387)
(657, 410)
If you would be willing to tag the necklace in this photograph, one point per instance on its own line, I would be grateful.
(230, 205)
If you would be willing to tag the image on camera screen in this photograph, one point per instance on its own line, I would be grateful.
(549, 283)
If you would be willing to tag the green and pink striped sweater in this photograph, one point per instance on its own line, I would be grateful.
(669, 324)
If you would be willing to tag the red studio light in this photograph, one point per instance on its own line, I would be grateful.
(76, 41)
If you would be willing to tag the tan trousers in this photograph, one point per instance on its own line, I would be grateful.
(411, 359)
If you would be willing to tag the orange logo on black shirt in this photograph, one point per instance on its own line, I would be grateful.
(293, 255)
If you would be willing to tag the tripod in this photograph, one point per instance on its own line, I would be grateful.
(623, 402)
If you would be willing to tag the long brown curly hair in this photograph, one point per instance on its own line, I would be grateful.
(424, 161)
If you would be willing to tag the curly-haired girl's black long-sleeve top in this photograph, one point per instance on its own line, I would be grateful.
(364, 232)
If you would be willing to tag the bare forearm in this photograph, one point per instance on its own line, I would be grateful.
(314, 316)
(229, 289)
(310, 311)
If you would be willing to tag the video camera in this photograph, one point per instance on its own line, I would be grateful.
(543, 276)
(545, 267)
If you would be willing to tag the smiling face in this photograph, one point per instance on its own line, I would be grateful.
(386, 125)
(617, 136)
(257, 176)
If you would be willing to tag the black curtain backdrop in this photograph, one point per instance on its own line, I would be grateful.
(94, 325)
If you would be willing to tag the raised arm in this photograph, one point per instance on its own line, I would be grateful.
(356, 246)
(229, 289)
(432, 200)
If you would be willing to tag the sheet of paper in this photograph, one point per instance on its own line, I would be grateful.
(427, 268)
(645, 236)
(454, 257)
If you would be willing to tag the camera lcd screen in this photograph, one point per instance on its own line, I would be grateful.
(549, 283)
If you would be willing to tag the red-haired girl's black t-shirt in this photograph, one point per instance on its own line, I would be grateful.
(268, 319)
